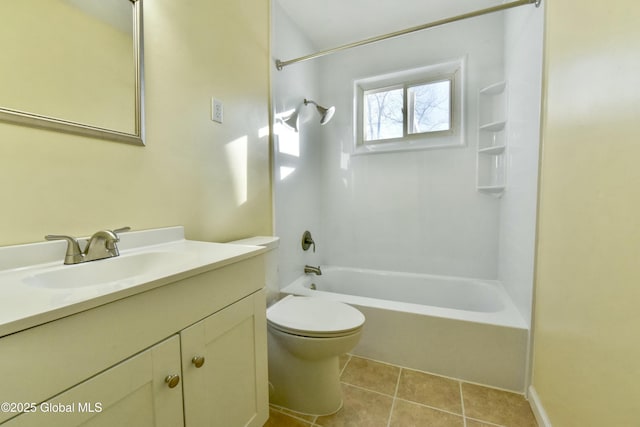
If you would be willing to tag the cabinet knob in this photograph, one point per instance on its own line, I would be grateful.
(172, 380)
(198, 361)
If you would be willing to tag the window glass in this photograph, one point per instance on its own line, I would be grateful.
(411, 109)
(429, 107)
(383, 118)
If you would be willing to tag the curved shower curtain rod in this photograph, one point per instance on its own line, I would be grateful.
(281, 64)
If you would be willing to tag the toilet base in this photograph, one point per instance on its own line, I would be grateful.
(307, 385)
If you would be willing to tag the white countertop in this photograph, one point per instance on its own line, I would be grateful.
(25, 302)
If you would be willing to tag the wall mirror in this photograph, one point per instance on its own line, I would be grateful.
(73, 66)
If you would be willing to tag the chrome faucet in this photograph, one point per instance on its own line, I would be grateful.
(315, 270)
(101, 245)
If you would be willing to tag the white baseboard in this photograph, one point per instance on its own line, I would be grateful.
(538, 411)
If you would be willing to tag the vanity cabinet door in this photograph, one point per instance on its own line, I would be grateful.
(224, 362)
(132, 393)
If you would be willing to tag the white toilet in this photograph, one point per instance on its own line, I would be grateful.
(305, 336)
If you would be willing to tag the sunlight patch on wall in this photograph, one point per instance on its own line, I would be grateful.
(344, 161)
(287, 145)
(237, 159)
(288, 140)
(285, 171)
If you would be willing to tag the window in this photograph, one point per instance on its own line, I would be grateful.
(429, 107)
(383, 114)
(414, 109)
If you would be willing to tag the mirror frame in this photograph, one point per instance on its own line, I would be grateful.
(52, 123)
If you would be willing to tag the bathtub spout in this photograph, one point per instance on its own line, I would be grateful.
(315, 270)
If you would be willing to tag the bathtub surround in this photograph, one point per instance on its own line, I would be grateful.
(419, 211)
(523, 70)
(415, 211)
(523, 46)
(297, 157)
(441, 224)
(211, 178)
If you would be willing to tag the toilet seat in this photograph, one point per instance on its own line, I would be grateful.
(314, 317)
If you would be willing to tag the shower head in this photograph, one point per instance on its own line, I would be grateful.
(325, 113)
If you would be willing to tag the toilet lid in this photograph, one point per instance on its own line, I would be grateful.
(314, 317)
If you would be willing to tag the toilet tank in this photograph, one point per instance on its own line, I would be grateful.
(270, 262)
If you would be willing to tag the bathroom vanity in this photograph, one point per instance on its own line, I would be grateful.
(174, 344)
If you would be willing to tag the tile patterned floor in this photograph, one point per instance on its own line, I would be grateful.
(382, 395)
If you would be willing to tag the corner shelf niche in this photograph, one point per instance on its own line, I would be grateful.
(492, 121)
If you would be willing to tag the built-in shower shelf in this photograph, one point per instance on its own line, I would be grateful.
(493, 189)
(494, 89)
(498, 149)
(492, 124)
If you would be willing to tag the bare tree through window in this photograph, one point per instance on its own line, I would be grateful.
(383, 114)
(429, 108)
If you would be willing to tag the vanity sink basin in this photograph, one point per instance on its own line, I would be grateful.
(114, 271)
(36, 287)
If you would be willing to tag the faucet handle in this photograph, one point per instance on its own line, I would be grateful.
(111, 244)
(307, 241)
(121, 229)
(73, 254)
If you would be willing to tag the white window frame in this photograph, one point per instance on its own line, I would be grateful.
(453, 71)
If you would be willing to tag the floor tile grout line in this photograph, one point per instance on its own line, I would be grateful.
(375, 360)
(293, 415)
(426, 372)
(345, 365)
(464, 417)
(367, 389)
(431, 407)
(484, 422)
(464, 414)
(395, 396)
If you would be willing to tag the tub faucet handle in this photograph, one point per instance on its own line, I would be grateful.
(307, 241)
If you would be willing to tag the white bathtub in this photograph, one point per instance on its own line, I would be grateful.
(457, 327)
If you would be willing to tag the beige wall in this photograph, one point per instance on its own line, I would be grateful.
(587, 316)
(212, 178)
